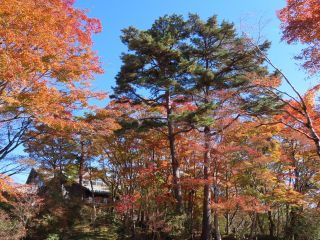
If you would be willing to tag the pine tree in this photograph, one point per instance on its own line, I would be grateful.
(154, 72)
(223, 63)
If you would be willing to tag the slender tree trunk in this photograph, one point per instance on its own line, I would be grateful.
(253, 226)
(312, 130)
(271, 225)
(287, 216)
(217, 232)
(216, 215)
(260, 225)
(142, 219)
(94, 214)
(227, 229)
(278, 223)
(227, 215)
(317, 143)
(293, 223)
(190, 212)
(206, 214)
(174, 161)
(81, 164)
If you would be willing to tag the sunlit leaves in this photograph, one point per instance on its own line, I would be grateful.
(300, 22)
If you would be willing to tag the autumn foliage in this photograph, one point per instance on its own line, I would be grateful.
(46, 59)
(198, 140)
(300, 23)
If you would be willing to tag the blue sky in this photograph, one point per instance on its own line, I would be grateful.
(245, 14)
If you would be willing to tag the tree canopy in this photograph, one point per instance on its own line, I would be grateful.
(199, 140)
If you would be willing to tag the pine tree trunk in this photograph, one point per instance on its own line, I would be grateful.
(206, 214)
(174, 161)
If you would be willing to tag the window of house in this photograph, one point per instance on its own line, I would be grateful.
(85, 182)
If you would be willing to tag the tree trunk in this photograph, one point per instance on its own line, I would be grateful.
(293, 223)
(317, 143)
(174, 161)
(260, 225)
(253, 227)
(278, 223)
(227, 229)
(94, 214)
(216, 215)
(191, 213)
(206, 214)
(271, 225)
(217, 232)
(227, 214)
(81, 164)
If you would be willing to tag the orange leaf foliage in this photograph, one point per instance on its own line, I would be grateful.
(300, 22)
(6, 188)
(46, 61)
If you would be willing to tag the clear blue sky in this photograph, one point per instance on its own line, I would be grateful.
(118, 14)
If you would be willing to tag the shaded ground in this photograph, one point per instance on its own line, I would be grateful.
(83, 232)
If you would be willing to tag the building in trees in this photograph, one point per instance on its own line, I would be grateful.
(69, 188)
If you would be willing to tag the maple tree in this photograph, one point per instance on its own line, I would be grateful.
(300, 23)
(46, 65)
(294, 110)
(6, 189)
(19, 204)
(27, 204)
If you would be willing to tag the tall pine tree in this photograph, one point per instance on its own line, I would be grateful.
(154, 72)
(220, 84)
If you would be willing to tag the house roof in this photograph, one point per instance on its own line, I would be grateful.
(41, 175)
